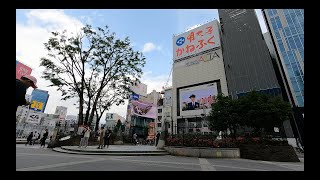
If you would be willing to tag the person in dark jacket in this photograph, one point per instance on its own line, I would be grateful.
(157, 138)
(22, 85)
(43, 139)
(29, 139)
(107, 138)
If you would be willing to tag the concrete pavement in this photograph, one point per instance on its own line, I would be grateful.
(34, 158)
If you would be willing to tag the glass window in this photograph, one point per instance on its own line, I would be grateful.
(296, 70)
(282, 49)
(290, 56)
(290, 72)
(300, 101)
(274, 11)
(278, 22)
(295, 86)
(293, 30)
(289, 20)
(300, 81)
(286, 59)
(287, 31)
(301, 54)
(277, 34)
(297, 41)
(270, 12)
(285, 11)
(291, 42)
(301, 36)
(299, 29)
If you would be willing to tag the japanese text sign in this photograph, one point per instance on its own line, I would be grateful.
(22, 69)
(196, 40)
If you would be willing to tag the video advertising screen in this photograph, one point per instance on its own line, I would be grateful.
(197, 100)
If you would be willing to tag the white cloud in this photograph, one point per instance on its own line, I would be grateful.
(30, 37)
(148, 47)
(155, 82)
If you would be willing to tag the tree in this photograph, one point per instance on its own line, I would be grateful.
(92, 65)
(256, 110)
(225, 115)
(264, 112)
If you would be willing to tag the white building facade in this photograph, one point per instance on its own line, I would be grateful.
(197, 79)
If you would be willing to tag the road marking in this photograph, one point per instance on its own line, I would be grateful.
(160, 165)
(57, 155)
(160, 162)
(205, 165)
(58, 165)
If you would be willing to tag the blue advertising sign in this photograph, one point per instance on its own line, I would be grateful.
(180, 41)
(39, 100)
(134, 96)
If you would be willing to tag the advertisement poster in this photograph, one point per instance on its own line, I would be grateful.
(151, 130)
(39, 100)
(22, 69)
(34, 117)
(197, 100)
(168, 97)
(143, 109)
(197, 40)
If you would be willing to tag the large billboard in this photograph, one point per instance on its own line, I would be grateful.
(139, 88)
(22, 69)
(196, 40)
(197, 100)
(143, 109)
(39, 100)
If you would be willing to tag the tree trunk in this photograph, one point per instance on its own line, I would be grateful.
(98, 120)
(80, 118)
(87, 113)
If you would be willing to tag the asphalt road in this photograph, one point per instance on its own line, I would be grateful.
(42, 159)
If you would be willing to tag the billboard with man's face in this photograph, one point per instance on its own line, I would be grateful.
(197, 100)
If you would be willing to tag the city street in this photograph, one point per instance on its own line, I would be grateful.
(34, 158)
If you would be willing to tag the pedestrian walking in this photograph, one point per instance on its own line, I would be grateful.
(35, 137)
(86, 137)
(29, 139)
(38, 138)
(43, 139)
(22, 85)
(134, 138)
(157, 138)
(101, 136)
(107, 139)
(82, 137)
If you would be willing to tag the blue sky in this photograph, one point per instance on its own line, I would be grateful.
(150, 31)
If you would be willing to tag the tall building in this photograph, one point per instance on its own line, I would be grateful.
(198, 76)
(286, 27)
(247, 61)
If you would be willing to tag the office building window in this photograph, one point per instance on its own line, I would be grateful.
(159, 110)
(159, 124)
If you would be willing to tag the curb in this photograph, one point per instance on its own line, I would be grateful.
(60, 150)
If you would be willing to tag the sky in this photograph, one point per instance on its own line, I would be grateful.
(150, 32)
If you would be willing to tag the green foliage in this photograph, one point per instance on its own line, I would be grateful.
(258, 111)
(225, 114)
(93, 66)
